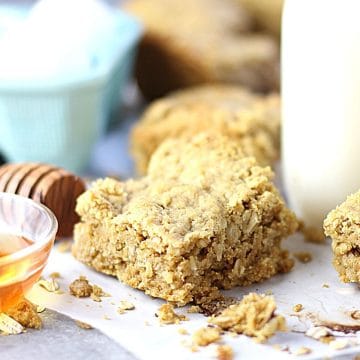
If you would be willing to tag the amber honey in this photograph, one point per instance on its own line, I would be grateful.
(17, 276)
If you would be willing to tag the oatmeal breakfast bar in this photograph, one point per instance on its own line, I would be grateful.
(250, 119)
(343, 226)
(204, 41)
(205, 217)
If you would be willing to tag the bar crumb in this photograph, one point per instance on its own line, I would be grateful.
(49, 285)
(25, 313)
(224, 352)
(302, 351)
(9, 326)
(303, 256)
(55, 275)
(317, 332)
(206, 336)
(125, 306)
(167, 315)
(298, 307)
(83, 325)
(81, 287)
(182, 331)
(339, 344)
(254, 316)
(312, 234)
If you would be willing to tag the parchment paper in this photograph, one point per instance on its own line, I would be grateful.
(141, 334)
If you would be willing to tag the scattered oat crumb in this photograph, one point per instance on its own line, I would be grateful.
(206, 336)
(194, 348)
(9, 326)
(105, 317)
(298, 307)
(126, 305)
(224, 352)
(339, 344)
(146, 323)
(233, 334)
(25, 313)
(303, 256)
(40, 309)
(312, 234)
(253, 316)
(83, 325)
(182, 331)
(64, 246)
(167, 315)
(326, 286)
(98, 291)
(55, 275)
(280, 347)
(269, 292)
(95, 297)
(327, 339)
(302, 351)
(81, 287)
(112, 303)
(50, 285)
(193, 309)
(317, 332)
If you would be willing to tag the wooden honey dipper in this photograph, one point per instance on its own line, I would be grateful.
(51, 186)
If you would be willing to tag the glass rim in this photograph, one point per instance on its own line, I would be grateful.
(37, 244)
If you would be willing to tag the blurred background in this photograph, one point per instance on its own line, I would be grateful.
(76, 75)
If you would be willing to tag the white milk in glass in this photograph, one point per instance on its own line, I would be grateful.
(321, 104)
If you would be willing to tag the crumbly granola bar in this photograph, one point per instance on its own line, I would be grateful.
(204, 218)
(343, 226)
(204, 41)
(250, 119)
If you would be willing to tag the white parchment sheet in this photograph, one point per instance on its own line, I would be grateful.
(141, 334)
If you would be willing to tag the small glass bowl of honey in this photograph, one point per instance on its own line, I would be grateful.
(27, 234)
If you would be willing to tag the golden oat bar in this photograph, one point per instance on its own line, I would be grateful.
(189, 42)
(204, 218)
(343, 226)
(252, 120)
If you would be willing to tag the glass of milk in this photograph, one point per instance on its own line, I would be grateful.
(321, 105)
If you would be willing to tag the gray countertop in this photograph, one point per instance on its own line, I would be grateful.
(60, 338)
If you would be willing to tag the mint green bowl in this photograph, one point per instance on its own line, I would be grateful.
(58, 122)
